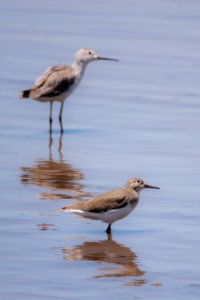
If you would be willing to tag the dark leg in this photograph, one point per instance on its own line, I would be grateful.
(50, 140)
(50, 117)
(108, 230)
(60, 144)
(60, 117)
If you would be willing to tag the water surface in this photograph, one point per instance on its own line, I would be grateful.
(139, 117)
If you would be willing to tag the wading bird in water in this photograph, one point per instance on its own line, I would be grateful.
(58, 82)
(111, 206)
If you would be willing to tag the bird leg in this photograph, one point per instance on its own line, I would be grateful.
(108, 230)
(60, 145)
(50, 117)
(50, 140)
(60, 117)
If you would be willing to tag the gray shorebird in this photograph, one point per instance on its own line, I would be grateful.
(58, 82)
(111, 206)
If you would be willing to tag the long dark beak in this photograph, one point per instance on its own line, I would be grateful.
(147, 186)
(105, 58)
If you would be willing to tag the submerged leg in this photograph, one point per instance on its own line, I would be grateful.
(60, 117)
(108, 230)
(50, 117)
(50, 140)
(60, 146)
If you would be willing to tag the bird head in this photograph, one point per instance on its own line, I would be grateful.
(138, 184)
(86, 55)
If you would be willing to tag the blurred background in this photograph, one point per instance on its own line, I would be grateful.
(138, 117)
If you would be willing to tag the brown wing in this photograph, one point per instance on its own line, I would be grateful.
(52, 82)
(112, 200)
(44, 76)
(107, 201)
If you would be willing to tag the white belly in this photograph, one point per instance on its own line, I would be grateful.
(109, 216)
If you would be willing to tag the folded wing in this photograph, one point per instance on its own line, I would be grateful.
(108, 201)
(53, 82)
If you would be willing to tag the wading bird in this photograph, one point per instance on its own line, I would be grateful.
(58, 82)
(111, 206)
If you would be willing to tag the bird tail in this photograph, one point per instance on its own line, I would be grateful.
(70, 209)
(59, 210)
(25, 94)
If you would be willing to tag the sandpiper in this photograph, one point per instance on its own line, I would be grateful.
(111, 206)
(58, 82)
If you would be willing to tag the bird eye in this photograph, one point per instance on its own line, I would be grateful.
(138, 181)
(90, 53)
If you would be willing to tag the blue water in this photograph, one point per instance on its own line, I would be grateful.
(139, 117)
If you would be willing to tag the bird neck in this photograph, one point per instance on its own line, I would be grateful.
(134, 191)
(79, 68)
(80, 65)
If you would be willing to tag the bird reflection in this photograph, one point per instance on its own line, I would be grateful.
(122, 259)
(58, 176)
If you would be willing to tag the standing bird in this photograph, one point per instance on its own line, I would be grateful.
(58, 82)
(112, 206)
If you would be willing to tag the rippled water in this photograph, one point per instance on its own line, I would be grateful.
(139, 117)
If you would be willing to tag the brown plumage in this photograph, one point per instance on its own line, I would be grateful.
(48, 85)
(104, 202)
(111, 206)
(58, 82)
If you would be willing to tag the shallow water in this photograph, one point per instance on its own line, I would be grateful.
(139, 117)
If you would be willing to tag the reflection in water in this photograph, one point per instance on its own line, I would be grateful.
(45, 226)
(54, 175)
(122, 259)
